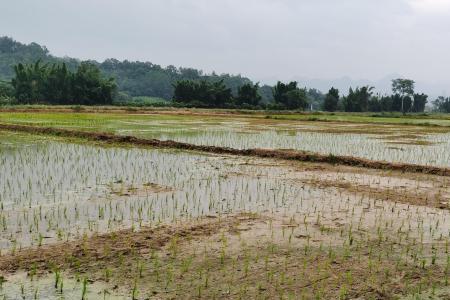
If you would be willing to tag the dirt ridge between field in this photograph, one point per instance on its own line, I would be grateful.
(107, 247)
(262, 153)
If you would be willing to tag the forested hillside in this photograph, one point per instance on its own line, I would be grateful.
(133, 78)
(13, 53)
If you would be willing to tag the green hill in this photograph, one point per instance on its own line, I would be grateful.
(133, 77)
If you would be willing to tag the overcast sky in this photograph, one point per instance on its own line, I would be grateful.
(262, 39)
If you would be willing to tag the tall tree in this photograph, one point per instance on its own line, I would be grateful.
(404, 88)
(296, 99)
(375, 104)
(280, 90)
(386, 103)
(202, 93)
(442, 104)
(289, 96)
(331, 100)
(248, 95)
(420, 100)
(89, 87)
(58, 85)
(358, 100)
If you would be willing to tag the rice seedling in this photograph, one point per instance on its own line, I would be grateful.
(315, 230)
(84, 289)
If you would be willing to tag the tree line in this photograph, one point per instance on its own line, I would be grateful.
(403, 99)
(289, 96)
(217, 94)
(56, 84)
(86, 85)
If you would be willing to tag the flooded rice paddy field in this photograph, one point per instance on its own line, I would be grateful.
(415, 144)
(79, 220)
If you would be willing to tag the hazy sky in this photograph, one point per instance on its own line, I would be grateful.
(258, 38)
